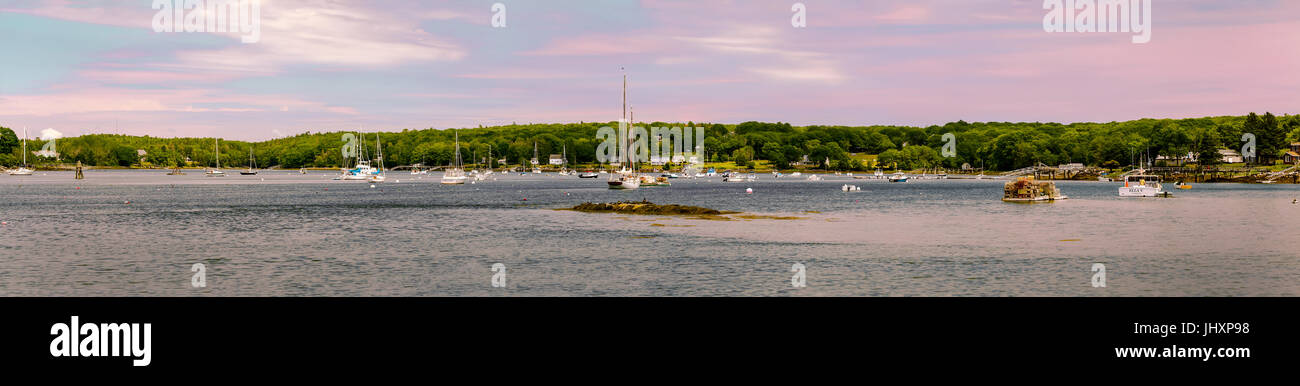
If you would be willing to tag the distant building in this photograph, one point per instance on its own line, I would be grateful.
(1069, 166)
(1230, 156)
(557, 159)
(656, 160)
(1292, 155)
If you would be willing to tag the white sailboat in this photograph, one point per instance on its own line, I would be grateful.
(22, 170)
(252, 165)
(216, 172)
(363, 170)
(626, 178)
(455, 175)
(378, 174)
(536, 169)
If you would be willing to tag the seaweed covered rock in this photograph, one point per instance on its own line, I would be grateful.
(645, 207)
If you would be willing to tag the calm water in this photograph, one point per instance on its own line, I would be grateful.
(285, 234)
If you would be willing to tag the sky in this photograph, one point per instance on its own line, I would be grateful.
(91, 66)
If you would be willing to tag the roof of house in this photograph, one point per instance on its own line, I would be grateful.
(1228, 152)
(556, 156)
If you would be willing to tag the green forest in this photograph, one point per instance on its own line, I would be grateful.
(992, 145)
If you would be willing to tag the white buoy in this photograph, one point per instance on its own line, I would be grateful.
(372, 186)
(749, 190)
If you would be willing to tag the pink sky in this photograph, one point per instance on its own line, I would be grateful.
(98, 66)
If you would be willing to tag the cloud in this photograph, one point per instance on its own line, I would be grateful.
(50, 134)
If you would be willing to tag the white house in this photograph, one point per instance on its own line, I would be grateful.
(557, 159)
(1230, 156)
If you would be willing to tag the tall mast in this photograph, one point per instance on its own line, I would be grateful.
(627, 132)
(24, 146)
(458, 162)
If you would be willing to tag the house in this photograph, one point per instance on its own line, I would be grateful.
(1070, 166)
(1230, 156)
(1293, 154)
(657, 160)
(557, 159)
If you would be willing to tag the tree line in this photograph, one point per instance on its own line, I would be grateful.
(991, 145)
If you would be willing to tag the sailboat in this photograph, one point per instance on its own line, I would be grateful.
(536, 170)
(22, 170)
(564, 168)
(363, 171)
(216, 172)
(378, 174)
(625, 178)
(252, 165)
(455, 175)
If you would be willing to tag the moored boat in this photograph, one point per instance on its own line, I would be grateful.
(1026, 189)
(1141, 185)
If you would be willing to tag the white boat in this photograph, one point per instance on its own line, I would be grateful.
(1141, 185)
(362, 171)
(536, 170)
(850, 188)
(879, 175)
(252, 165)
(23, 170)
(898, 177)
(814, 177)
(378, 174)
(455, 175)
(216, 172)
(625, 179)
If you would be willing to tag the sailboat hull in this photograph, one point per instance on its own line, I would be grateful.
(624, 184)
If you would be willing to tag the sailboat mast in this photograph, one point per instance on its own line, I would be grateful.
(627, 127)
(24, 146)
